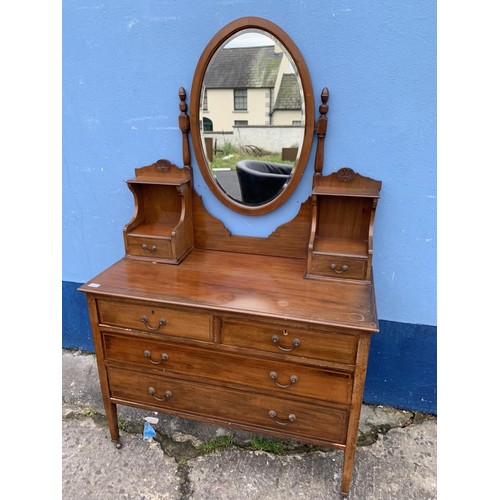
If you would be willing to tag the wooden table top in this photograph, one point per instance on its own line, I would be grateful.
(271, 287)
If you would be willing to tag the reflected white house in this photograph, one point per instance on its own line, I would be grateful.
(255, 88)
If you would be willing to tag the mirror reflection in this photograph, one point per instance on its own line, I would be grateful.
(252, 117)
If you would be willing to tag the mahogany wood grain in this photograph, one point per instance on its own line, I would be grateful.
(139, 245)
(322, 266)
(161, 172)
(256, 285)
(321, 128)
(109, 407)
(344, 218)
(343, 213)
(161, 228)
(350, 184)
(233, 370)
(328, 346)
(325, 423)
(183, 233)
(357, 400)
(184, 126)
(288, 240)
(169, 321)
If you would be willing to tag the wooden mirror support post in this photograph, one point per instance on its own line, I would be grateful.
(289, 316)
(321, 132)
(184, 127)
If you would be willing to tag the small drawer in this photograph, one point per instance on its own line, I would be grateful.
(157, 320)
(280, 339)
(287, 379)
(230, 406)
(153, 248)
(335, 266)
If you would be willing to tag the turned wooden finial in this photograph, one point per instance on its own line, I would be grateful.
(182, 97)
(184, 127)
(321, 127)
(323, 108)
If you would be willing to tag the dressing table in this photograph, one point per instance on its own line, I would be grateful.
(269, 335)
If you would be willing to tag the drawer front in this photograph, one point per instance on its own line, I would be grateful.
(284, 378)
(278, 415)
(149, 247)
(329, 346)
(159, 320)
(338, 267)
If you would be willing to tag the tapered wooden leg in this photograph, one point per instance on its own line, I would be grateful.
(349, 454)
(357, 400)
(112, 418)
(109, 408)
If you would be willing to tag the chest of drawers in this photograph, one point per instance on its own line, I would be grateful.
(215, 339)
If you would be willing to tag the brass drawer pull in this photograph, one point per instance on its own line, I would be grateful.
(168, 394)
(295, 343)
(343, 269)
(273, 415)
(274, 376)
(164, 357)
(161, 323)
(146, 249)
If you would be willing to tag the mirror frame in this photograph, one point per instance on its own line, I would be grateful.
(219, 39)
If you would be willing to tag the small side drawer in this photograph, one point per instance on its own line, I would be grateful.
(329, 346)
(283, 378)
(260, 411)
(149, 247)
(335, 266)
(160, 320)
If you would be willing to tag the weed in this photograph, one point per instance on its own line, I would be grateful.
(216, 444)
(228, 149)
(122, 424)
(89, 412)
(269, 445)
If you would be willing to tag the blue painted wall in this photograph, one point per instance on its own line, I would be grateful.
(123, 63)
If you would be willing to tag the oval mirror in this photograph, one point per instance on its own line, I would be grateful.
(252, 115)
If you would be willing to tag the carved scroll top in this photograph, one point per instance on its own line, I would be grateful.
(345, 174)
(164, 165)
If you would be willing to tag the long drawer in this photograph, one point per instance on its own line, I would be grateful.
(161, 320)
(329, 346)
(327, 424)
(267, 374)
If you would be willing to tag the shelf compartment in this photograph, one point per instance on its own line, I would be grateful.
(162, 226)
(340, 245)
